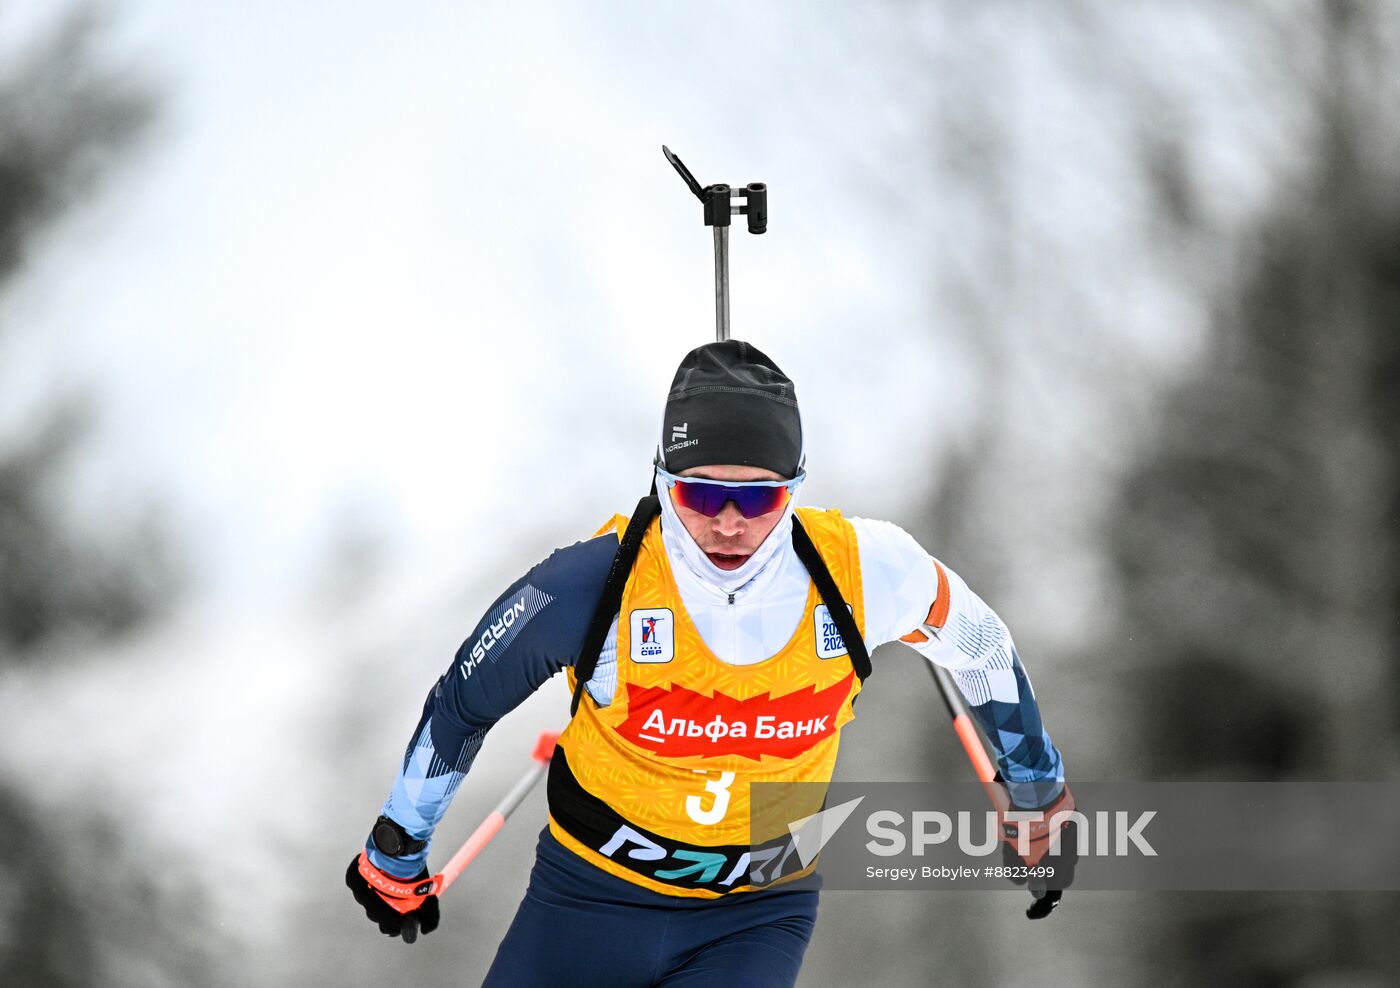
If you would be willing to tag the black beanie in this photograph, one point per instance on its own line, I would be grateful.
(729, 403)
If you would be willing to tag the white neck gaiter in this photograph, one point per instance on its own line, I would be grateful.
(679, 543)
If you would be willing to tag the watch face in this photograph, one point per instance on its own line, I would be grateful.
(387, 839)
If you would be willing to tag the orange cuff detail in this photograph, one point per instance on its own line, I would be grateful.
(938, 613)
(402, 894)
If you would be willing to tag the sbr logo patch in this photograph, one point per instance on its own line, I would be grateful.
(653, 635)
(830, 644)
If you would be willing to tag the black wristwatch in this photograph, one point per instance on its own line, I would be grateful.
(393, 840)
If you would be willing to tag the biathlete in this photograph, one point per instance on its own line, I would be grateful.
(723, 664)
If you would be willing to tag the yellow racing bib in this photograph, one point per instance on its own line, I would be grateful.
(654, 787)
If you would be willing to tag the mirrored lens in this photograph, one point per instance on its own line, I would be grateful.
(708, 498)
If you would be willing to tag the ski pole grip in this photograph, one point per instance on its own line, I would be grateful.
(757, 198)
(544, 746)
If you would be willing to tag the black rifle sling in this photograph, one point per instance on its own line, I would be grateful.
(611, 601)
(831, 597)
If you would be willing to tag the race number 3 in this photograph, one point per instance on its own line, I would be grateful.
(719, 788)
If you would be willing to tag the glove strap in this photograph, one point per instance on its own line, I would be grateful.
(404, 895)
(1040, 830)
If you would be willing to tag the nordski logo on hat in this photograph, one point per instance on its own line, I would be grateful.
(680, 438)
(653, 638)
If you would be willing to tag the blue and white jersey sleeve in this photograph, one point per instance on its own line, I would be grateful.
(531, 632)
(902, 587)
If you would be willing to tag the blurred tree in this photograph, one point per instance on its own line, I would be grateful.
(41, 902)
(1086, 209)
(64, 120)
(1257, 538)
(76, 910)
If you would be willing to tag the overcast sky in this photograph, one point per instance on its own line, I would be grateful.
(431, 272)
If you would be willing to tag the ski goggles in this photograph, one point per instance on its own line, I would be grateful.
(708, 497)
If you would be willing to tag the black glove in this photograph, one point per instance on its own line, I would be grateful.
(1063, 856)
(1063, 859)
(390, 902)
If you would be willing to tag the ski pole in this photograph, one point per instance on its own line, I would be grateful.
(986, 774)
(486, 830)
(717, 200)
(971, 741)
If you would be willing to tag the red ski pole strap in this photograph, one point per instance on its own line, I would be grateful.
(1030, 832)
(404, 895)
